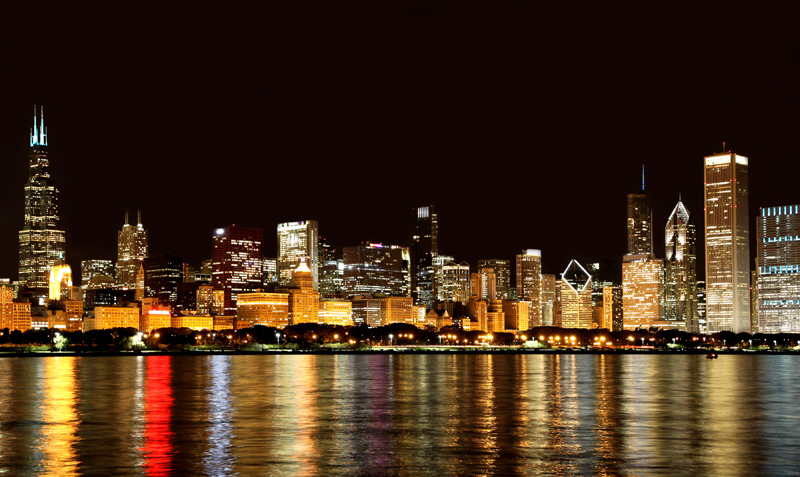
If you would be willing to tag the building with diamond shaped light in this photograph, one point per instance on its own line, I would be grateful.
(576, 297)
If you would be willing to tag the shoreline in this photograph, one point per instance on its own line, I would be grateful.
(387, 350)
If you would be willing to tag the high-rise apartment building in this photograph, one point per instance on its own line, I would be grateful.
(727, 243)
(236, 264)
(529, 283)
(576, 297)
(778, 284)
(424, 250)
(131, 250)
(298, 240)
(41, 242)
(680, 267)
(373, 268)
(502, 274)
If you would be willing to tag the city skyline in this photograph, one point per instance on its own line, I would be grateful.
(583, 102)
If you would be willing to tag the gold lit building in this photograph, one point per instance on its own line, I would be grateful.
(107, 317)
(336, 312)
(154, 319)
(268, 309)
(642, 292)
(193, 322)
(576, 297)
(529, 282)
(60, 281)
(303, 298)
(517, 314)
(727, 243)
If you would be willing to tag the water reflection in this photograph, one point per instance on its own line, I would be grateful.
(157, 449)
(60, 417)
(218, 459)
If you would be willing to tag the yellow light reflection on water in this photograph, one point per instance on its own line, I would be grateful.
(60, 416)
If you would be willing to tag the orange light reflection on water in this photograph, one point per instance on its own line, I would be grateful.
(60, 414)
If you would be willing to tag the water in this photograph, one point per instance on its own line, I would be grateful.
(400, 415)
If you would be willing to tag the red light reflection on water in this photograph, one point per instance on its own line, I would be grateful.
(157, 449)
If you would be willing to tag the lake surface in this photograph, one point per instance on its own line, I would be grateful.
(400, 415)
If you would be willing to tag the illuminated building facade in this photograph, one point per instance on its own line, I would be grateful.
(488, 287)
(95, 268)
(193, 322)
(396, 309)
(268, 309)
(60, 281)
(727, 243)
(517, 315)
(529, 282)
(154, 319)
(502, 276)
(680, 267)
(107, 317)
(642, 292)
(576, 297)
(41, 242)
(778, 266)
(303, 299)
(367, 310)
(336, 312)
(298, 240)
(205, 300)
(236, 264)
(754, 301)
(639, 222)
(331, 278)
(454, 284)
(372, 268)
(440, 262)
(131, 250)
(424, 250)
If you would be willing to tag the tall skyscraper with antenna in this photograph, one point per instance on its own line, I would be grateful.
(41, 241)
(131, 251)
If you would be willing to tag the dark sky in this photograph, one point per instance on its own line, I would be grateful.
(525, 125)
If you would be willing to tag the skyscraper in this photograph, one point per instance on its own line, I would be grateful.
(95, 268)
(680, 265)
(373, 268)
(236, 263)
(455, 282)
(298, 240)
(639, 222)
(41, 242)
(529, 283)
(424, 250)
(779, 269)
(131, 250)
(727, 243)
(576, 297)
(502, 274)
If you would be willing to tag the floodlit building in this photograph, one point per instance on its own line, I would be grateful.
(424, 250)
(336, 312)
(727, 239)
(154, 319)
(680, 280)
(488, 284)
(642, 292)
(236, 264)
(576, 297)
(107, 317)
(517, 315)
(13, 315)
(41, 242)
(268, 309)
(367, 310)
(298, 240)
(396, 309)
(639, 222)
(303, 298)
(778, 266)
(193, 322)
(548, 291)
(529, 282)
(60, 281)
(131, 250)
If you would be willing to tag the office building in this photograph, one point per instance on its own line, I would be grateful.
(236, 264)
(639, 222)
(60, 281)
(454, 284)
(336, 312)
(107, 317)
(642, 292)
(260, 308)
(372, 268)
(680, 279)
(298, 240)
(576, 297)
(727, 243)
(396, 309)
(367, 310)
(303, 298)
(162, 275)
(529, 282)
(548, 291)
(41, 241)
(424, 250)
(131, 250)
(95, 268)
(612, 308)
(502, 276)
(517, 315)
(778, 262)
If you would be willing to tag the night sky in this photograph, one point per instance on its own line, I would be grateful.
(525, 126)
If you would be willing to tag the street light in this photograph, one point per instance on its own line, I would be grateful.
(391, 343)
(278, 339)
